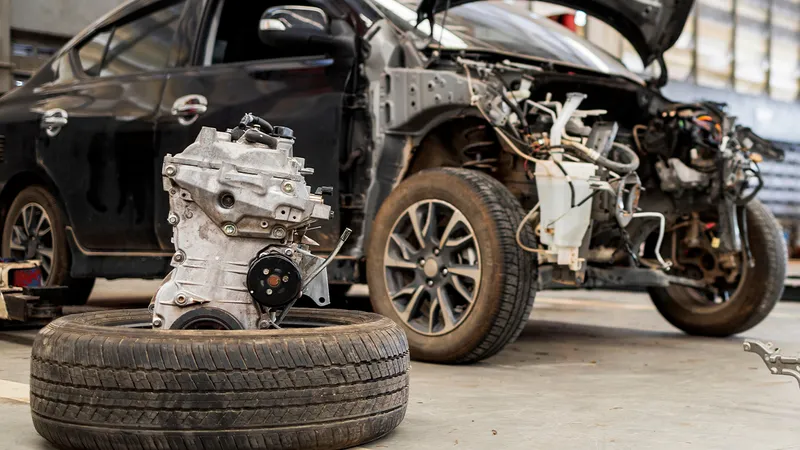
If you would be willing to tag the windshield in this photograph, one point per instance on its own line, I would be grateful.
(497, 26)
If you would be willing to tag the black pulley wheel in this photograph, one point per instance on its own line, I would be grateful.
(329, 379)
(274, 280)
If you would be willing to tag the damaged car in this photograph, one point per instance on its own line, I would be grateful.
(479, 153)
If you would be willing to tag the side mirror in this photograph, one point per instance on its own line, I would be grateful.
(294, 25)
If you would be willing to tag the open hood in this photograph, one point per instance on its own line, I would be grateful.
(651, 26)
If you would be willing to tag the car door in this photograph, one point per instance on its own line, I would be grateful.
(99, 150)
(230, 73)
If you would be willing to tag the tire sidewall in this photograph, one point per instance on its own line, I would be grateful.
(756, 294)
(60, 268)
(448, 187)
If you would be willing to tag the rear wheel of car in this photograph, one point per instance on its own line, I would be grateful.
(35, 229)
(329, 379)
(744, 303)
(444, 263)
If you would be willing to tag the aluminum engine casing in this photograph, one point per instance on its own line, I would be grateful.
(215, 241)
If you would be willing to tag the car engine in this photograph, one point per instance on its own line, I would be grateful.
(240, 210)
(587, 176)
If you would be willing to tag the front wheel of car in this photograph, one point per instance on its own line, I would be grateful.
(443, 262)
(35, 230)
(738, 305)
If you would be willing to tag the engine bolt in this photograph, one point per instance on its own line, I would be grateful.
(179, 257)
(264, 224)
(157, 322)
(263, 324)
(286, 278)
(430, 283)
(269, 291)
(288, 188)
(445, 271)
(279, 232)
(189, 214)
(288, 252)
(171, 171)
(229, 229)
(173, 219)
(180, 300)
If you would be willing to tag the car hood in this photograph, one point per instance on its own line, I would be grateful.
(651, 26)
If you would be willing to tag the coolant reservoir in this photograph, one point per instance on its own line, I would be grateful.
(562, 226)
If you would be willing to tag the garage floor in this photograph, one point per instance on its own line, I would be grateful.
(591, 370)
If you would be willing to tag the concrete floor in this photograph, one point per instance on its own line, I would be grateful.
(597, 370)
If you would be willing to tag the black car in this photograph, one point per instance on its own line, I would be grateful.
(378, 100)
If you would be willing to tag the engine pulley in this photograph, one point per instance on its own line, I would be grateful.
(274, 280)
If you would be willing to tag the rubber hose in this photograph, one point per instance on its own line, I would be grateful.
(249, 119)
(618, 167)
(256, 136)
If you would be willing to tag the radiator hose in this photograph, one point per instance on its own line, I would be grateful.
(618, 167)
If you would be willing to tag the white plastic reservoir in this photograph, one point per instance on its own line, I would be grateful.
(563, 227)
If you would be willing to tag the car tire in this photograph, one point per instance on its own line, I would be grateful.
(760, 288)
(39, 202)
(337, 379)
(500, 294)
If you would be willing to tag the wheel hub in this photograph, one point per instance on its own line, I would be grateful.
(32, 237)
(432, 267)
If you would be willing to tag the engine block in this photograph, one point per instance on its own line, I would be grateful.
(240, 209)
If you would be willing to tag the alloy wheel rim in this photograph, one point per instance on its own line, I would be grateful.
(432, 267)
(32, 237)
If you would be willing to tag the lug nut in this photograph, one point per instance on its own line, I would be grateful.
(266, 271)
(445, 271)
(269, 291)
(430, 283)
(436, 251)
(422, 262)
(229, 229)
(286, 278)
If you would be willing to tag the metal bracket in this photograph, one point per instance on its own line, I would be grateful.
(776, 363)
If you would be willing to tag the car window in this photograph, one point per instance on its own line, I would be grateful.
(233, 33)
(142, 45)
(91, 53)
(134, 46)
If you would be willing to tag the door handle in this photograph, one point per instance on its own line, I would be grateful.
(189, 108)
(54, 120)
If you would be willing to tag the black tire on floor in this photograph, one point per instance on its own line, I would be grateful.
(61, 260)
(336, 379)
(759, 290)
(508, 275)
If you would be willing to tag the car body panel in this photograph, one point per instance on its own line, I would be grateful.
(651, 26)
